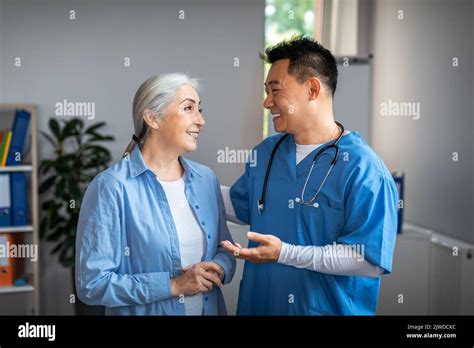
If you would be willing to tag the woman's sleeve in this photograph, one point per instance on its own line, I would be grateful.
(99, 252)
(223, 258)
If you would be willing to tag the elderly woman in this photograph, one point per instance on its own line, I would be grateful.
(150, 226)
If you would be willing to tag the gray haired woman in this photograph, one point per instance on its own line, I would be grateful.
(150, 226)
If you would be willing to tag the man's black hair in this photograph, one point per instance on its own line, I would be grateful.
(308, 58)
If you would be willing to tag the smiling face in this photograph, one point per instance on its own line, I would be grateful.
(183, 121)
(287, 99)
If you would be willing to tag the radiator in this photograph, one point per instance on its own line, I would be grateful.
(451, 290)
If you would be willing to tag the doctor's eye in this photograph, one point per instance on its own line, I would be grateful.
(188, 108)
(200, 111)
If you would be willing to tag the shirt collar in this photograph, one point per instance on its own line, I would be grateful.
(138, 165)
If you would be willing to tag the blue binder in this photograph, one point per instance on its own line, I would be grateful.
(19, 132)
(5, 200)
(18, 198)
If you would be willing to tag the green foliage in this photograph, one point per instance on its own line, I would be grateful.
(78, 158)
(285, 18)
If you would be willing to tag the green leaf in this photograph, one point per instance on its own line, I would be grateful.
(43, 228)
(94, 127)
(101, 138)
(74, 189)
(54, 126)
(55, 235)
(46, 185)
(45, 166)
(60, 187)
(49, 138)
(58, 247)
(67, 261)
(72, 128)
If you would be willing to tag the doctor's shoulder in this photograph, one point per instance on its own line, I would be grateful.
(362, 161)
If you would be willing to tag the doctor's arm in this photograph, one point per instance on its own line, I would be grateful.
(337, 259)
(230, 214)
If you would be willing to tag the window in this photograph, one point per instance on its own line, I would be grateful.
(283, 19)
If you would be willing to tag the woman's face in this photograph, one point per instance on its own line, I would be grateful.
(183, 121)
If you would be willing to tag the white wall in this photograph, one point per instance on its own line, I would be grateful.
(82, 60)
(413, 63)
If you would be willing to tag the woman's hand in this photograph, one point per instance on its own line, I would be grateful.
(197, 278)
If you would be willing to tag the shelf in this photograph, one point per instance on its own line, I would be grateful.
(27, 228)
(30, 167)
(14, 289)
(22, 168)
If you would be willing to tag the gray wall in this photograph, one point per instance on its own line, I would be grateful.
(82, 60)
(1, 50)
(413, 63)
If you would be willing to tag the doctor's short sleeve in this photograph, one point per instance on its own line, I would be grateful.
(239, 194)
(371, 220)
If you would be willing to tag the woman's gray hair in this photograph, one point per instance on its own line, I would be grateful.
(155, 94)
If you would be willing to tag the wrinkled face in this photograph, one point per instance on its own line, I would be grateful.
(287, 99)
(183, 120)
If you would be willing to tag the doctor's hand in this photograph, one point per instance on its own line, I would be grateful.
(268, 250)
(197, 278)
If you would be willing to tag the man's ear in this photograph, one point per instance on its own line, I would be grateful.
(314, 88)
(151, 119)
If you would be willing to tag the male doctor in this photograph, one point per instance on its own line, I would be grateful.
(321, 237)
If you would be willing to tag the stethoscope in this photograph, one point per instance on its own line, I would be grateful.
(261, 201)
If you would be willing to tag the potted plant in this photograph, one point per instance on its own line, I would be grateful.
(78, 157)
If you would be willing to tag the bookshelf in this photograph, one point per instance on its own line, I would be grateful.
(24, 299)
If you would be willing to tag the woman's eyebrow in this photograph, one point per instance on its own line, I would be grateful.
(190, 99)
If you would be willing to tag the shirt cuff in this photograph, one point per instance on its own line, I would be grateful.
(283, 253)
(159, 286)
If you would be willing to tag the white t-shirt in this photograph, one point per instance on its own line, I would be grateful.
(191, 239)
(304, 150)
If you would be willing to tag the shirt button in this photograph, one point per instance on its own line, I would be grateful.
(197, 206)
(203, 223)
(208, 236)
(206, 298)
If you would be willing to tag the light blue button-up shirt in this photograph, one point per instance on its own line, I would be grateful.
(127, 247)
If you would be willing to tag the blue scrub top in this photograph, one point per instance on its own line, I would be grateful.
(127, 247)
(357, 206)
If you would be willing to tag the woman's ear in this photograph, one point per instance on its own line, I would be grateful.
(314, 88)
(151, 119)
